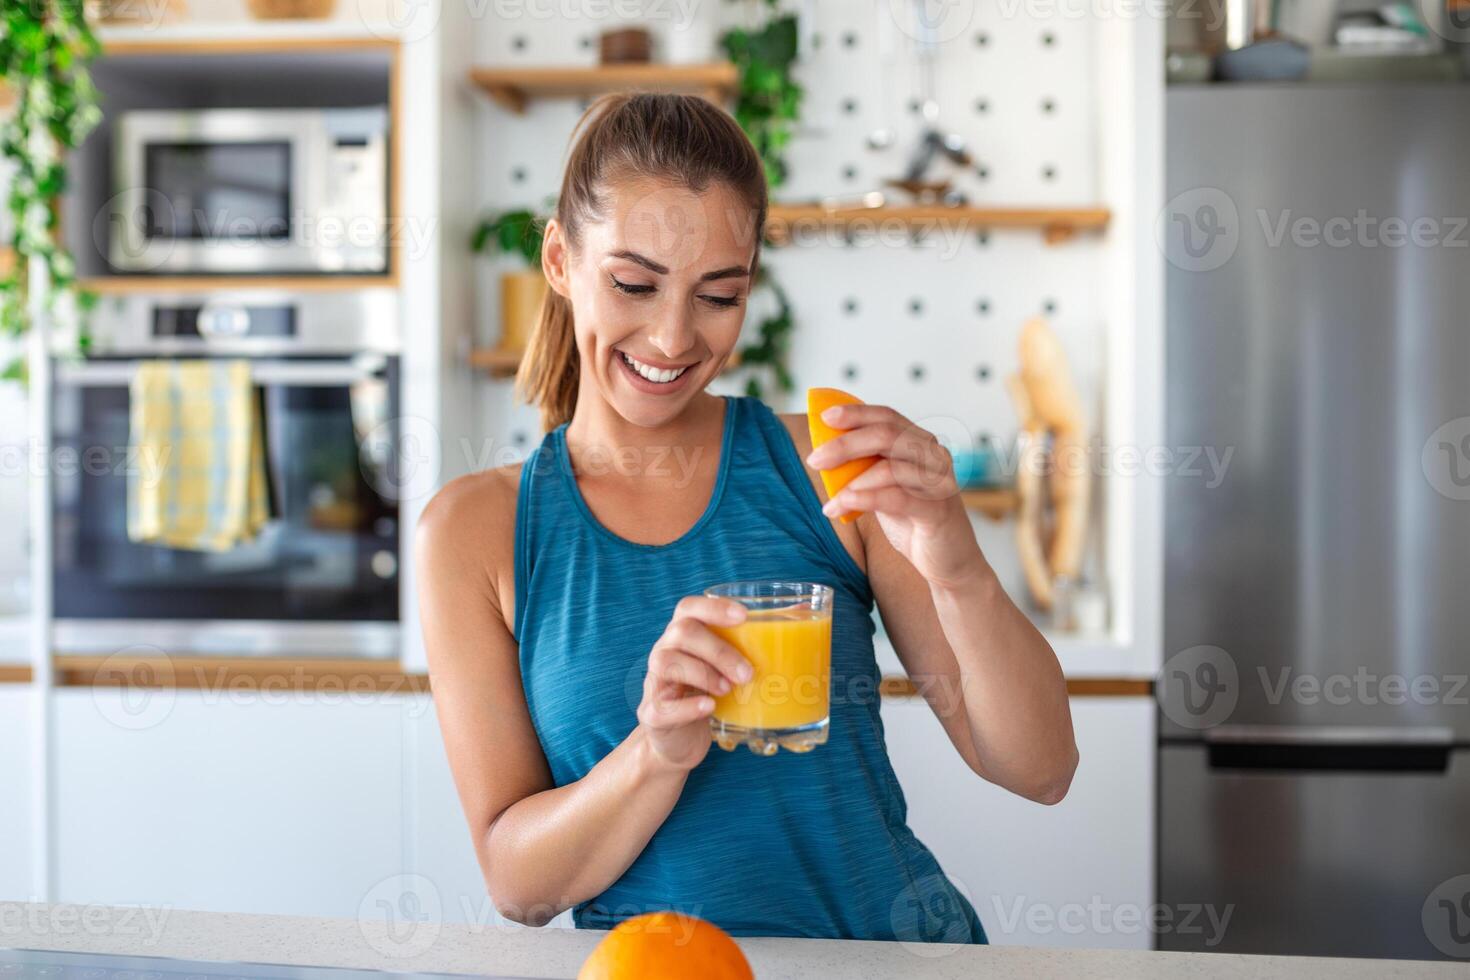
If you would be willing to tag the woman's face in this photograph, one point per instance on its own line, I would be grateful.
(658, 290)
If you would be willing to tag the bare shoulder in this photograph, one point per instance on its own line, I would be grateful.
(801, 433)
(469, 528)
(801, 437)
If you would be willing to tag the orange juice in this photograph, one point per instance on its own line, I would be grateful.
(791, 651)
(787, 637)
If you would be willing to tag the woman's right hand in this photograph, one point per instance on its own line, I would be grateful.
(688, 668)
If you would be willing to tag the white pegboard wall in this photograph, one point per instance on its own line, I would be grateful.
(927, 324)
(1019, 90)
(915, 324)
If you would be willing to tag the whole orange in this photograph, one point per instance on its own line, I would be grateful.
(666, 946)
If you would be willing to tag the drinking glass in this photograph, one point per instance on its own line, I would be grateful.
(787, 637)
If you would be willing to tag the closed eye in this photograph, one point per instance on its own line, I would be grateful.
(724, 302)
(635, 289)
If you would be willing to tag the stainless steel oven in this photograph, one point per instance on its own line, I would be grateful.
(322, 578)
(250, 191)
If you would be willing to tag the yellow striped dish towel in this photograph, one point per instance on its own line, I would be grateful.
(200, 420)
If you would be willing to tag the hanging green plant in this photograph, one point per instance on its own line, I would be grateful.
(767, 106)
(767, 99)
(45, 48)
(767, 354)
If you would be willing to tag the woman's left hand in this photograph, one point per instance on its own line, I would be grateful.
(911, 490)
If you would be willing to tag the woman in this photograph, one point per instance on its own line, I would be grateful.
(569, 644)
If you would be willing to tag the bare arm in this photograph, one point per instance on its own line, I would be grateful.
(983, 667)
(542, 848)
(986, 671)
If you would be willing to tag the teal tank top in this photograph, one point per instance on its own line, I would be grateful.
(812, 844)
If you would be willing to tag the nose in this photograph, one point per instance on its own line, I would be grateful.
(673, 336)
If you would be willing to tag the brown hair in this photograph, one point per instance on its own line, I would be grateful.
(679, 138)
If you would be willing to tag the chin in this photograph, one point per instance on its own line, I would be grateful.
(650, 411)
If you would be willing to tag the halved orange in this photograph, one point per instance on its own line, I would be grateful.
(818, 400)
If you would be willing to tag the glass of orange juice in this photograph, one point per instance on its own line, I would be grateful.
(787, 637)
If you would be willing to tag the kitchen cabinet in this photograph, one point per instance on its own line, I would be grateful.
(1076, 874)
(225, 801)
(441, 856)
(314, 805)
(15, 778)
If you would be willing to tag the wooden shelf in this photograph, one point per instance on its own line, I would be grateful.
(995, 504)
(785, 222)
(234, 37)
(514, 88)
(133, 285)
(496, 362)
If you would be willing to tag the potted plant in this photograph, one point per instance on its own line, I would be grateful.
(45, 47)
(517, 232)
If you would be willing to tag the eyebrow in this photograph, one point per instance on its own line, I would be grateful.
(730, 272)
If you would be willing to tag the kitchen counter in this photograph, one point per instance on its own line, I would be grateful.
(369, 944)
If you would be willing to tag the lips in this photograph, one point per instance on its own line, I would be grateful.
(640, 375)
(651, 374)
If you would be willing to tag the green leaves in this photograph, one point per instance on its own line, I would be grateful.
(768, 353)
(45, 48)
(768, 99)
(767, 106)
(516, 232)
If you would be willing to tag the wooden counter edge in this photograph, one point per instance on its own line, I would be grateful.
(897, 686)
(236, 674)
(15, 674)
(367, 676)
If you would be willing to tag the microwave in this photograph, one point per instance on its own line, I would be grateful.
(250, 191)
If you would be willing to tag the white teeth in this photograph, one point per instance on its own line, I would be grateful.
(650, 373)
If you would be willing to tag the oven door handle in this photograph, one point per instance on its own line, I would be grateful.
(1409, 748)
(298, 374)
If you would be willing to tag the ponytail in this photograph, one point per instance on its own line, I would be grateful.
(551, 370)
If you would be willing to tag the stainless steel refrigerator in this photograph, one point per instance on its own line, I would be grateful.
(1314, 756)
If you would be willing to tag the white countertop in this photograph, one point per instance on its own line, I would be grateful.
(559, 952)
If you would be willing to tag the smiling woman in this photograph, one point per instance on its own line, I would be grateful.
(690, 244)
(577, 649)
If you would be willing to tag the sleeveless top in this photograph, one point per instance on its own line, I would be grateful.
(811, 844)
